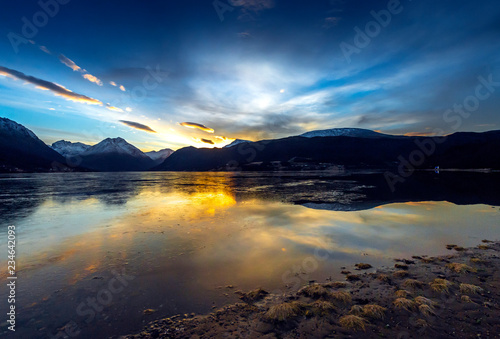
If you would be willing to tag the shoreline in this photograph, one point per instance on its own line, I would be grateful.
(449, 296)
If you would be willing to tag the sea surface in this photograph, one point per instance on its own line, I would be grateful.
(102, 254)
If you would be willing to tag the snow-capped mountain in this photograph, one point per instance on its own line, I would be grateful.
(115, 145)
(68, 148)
(9, 127)
(236, 142)
(347, 132)
(115, 155)
(159, 156)
(21, 150)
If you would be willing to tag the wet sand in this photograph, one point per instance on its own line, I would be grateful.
(452, 296)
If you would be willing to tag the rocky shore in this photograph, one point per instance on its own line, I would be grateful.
(452, 296)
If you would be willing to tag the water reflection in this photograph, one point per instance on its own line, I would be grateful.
(185, 235)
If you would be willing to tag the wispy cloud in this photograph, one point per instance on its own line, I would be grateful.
(197, 126)
(70, 63)
(331, 22)
(254, 5)
(49, 86)
(112, 83)
(113, 108)
(122, 88)
(138, 126)
(92, 78)
(45, 49)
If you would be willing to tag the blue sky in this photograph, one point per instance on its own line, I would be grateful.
(249, 69)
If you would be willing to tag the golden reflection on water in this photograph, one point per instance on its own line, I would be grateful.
(209, 225)
(183, 241)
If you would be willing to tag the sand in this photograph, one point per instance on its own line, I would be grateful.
(402, 302)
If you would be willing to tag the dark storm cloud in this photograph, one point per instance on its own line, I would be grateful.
(138, 126)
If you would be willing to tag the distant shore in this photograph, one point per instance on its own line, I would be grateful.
(451, 296)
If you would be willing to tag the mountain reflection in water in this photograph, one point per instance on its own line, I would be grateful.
(185, 236)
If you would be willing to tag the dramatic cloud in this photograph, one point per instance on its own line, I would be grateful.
(70, 63)
(93, 79)
(137, 125)
(49, 86)
(197, 126)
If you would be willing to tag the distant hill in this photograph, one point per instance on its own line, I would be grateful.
(22, 151)
(346, 132)
(159, 156)
(460, 150)
(236, 142)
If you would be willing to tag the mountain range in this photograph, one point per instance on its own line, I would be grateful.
(347, 148)
(22, 151)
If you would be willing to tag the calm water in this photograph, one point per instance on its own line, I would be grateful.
(178, 239)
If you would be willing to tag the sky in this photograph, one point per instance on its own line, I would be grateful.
(170, 74)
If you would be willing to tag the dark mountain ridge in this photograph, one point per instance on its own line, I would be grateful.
(462, 150)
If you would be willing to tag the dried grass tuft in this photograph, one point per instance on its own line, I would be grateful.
(283, 312)
(341, 296)
(353, 322)
(460, 268)
(400, 274)
(314, 291)
(426, 310)
(374, 311)
(401, 293)
(403, 303)
(412, 283)
(441, 285)
(470, 289)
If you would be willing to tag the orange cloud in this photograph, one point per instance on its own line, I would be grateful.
(93, 79)
(113, 108)
(194, 125)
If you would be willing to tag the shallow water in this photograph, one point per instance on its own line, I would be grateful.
(179, 239)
